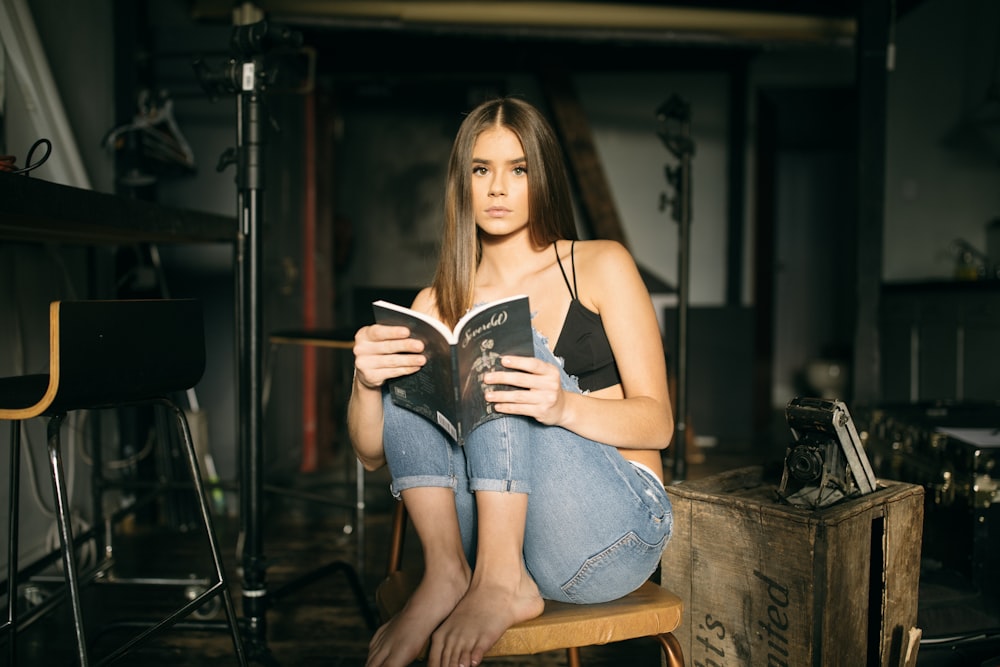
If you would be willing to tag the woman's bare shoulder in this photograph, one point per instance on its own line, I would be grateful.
(606, 273)
(602, 254)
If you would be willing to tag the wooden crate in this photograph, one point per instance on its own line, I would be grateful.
(767, 584)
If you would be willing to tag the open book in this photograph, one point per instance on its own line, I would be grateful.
(448, 389)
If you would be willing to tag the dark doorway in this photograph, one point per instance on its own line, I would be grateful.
(804, 246)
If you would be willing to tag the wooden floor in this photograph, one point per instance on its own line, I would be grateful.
(314, 616)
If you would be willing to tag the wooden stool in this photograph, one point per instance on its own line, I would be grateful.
(110, 354)
(338, 340)
(650, 611)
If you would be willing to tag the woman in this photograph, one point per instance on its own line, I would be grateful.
(562, 498)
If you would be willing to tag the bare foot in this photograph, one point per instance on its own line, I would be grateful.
(483, 615)
(399, 641)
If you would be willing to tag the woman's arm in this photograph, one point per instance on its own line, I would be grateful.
(364, 424)
(638, 414)
(380, 353)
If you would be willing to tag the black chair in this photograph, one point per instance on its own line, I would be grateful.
(111, 354)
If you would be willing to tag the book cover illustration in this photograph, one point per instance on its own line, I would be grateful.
(449, 389)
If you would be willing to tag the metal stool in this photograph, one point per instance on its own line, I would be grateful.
(339, 341)
(109, 354)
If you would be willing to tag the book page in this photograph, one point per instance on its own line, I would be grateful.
(500, 328)
(429, 391)
(381, 316)
(476, 311)
(448, 389)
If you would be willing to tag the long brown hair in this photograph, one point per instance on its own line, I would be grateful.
(550, 207)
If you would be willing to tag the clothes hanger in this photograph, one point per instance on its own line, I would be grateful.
(158, 133)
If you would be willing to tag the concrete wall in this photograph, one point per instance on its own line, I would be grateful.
(941, 181)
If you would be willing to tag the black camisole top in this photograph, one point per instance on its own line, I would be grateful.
(583, 343)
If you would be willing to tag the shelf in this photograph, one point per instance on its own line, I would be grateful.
(921, 287)
(37, 210)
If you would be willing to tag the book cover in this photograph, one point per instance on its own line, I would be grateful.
(448, 389)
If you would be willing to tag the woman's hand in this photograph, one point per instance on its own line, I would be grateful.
(384, 352)
(538, 392)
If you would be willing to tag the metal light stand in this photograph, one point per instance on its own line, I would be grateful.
(247, 76)
(674, 117)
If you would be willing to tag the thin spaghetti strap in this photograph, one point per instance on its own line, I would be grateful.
(572, 260)
(563, 271)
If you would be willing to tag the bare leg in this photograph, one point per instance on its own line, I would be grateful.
(501, 593)
(445, 580)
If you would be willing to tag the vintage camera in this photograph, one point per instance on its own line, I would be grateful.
(826, 462)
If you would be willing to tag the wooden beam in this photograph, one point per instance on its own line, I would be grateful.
(874, 23)
(586, 172)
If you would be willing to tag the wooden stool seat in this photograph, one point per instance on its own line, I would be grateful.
(649, 611)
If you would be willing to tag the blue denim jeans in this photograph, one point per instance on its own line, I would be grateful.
(596, 524)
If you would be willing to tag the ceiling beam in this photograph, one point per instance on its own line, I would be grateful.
(657, 22)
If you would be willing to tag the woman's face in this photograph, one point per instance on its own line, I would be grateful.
(499, 183)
